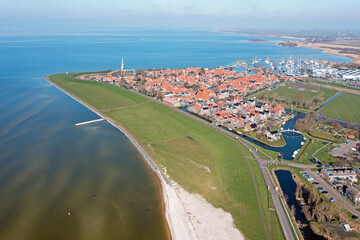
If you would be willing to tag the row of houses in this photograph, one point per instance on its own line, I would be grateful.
(217, 94)
(191, 85)
(344, 179)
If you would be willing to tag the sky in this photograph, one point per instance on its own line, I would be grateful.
(226, 14)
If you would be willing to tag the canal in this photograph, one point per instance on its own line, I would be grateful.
(288, 187)
(293, 140)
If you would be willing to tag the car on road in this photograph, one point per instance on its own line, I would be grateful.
(315, 183)
(320, 188)
(332, 199)
(324, 192)
(355, 217)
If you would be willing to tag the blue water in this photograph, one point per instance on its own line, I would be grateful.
(288, 187)
(292, 142)
(48, 166)
(332, 98)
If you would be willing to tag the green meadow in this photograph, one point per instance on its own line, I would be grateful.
(298, 99)
(345, 107)
(199, 158)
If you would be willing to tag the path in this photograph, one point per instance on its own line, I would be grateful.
(313, 155)
(285, 221)
(340, 89)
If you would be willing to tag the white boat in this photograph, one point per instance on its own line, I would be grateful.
(302, 143)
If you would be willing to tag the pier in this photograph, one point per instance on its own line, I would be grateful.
(87, 122)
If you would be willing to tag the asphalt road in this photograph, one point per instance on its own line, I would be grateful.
(286, 223)
(333, 193)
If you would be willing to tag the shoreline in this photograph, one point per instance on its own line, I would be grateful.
(183, 210)
(326, 48)
(167, 194)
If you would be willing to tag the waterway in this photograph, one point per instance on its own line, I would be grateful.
(49, 167)
(328, 101)
(288, 187)
(293, 140)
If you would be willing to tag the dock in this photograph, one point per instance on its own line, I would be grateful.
(87, 122)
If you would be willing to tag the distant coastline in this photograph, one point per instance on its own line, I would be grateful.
(257, 40)
(333, 49)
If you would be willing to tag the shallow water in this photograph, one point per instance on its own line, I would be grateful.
(49, 167)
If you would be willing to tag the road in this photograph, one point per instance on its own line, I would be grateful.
(347, 90)
(333, 193)
(285, 221)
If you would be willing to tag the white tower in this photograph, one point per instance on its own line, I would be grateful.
(122, 66)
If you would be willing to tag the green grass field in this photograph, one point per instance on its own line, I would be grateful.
(199, 158)
(346, 106)
(285, 95)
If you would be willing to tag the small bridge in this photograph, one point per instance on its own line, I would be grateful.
(291, 131)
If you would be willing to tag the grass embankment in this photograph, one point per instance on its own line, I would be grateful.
(346, 106)
(325, 136)
(294, 170)
(199, 158)
(315, 149)
(262, 152)
(278, 143)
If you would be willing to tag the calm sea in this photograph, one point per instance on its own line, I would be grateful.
(49, 167)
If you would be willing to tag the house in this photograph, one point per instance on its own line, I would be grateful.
(205, 111)
(353, 194)
(346, 227)
(238, 123)
(169, 100)
(195, 108)
(339, 174)
(250, 127)
(273, 135)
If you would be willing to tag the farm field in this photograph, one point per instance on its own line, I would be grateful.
(345, 107)
(199, 158)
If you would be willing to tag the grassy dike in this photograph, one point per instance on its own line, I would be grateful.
(188, 150)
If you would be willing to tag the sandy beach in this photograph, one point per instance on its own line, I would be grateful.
(189, 216)
(333, 49)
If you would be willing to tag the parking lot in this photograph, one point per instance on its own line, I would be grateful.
(346, 149)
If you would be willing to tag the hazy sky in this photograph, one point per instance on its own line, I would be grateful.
(185, 13)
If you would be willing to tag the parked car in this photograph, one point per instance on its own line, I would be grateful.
(355, 217)
(332, 199)
(324, 192)
(315, 183)
(320, 188)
